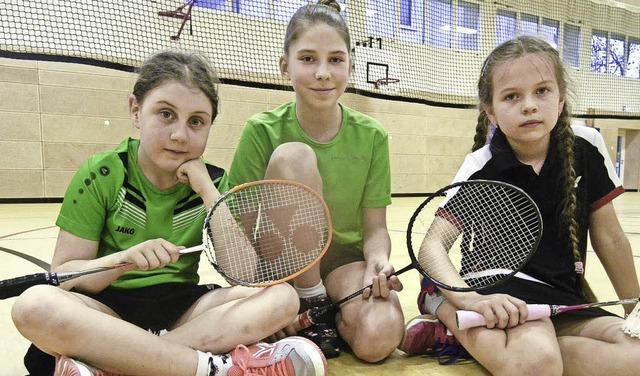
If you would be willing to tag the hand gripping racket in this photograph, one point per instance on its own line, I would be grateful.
(479, 234)
(472, 319)
(256, 234)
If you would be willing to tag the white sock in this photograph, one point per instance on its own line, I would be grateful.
(310, 292)
(206, 361)
(432, 303)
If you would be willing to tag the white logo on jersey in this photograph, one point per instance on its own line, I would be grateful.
(577, 181)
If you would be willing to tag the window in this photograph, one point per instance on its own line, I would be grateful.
(608, 53)
(405, 13)
(402, 20)
(599, 51)
(468, 26)
(633, 59)
(255, 8)
(571, 45)
(528, 24)
(550, 31)
(381, 18)
(617, 50)
(505, 26)
(440, 21)
(283, 10)
(212, 4)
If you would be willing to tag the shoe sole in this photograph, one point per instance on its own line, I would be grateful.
(312, 354)
(329, 350)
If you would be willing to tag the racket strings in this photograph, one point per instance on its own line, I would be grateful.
(277, 230)
(513, 222)
(488, 231)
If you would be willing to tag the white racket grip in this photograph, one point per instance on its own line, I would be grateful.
(196, 248)
(469, 319)
(472, 319)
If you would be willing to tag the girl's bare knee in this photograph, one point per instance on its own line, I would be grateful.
(33, 309)
(373, 344)
(292, 157)
(531, 364)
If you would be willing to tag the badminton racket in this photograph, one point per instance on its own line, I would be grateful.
(479, 234)
(256, 234)
(472, 319)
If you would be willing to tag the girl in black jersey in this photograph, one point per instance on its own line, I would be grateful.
(567, 171)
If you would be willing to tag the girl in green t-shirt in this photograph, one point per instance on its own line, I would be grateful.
(141, 204)
(344, 155)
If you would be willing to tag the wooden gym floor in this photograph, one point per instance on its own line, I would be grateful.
(27, 240)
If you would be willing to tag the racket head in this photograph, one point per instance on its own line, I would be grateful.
(473, 234)
(280, 229)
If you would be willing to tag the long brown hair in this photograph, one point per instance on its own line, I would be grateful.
(562, 132)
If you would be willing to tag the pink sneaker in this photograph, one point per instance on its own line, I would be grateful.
(426, 335)
(292, 356)
(71, 367)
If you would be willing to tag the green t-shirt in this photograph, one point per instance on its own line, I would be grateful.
(354, 166)
(110, 201)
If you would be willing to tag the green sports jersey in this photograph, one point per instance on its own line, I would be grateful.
(110, 201)
(354, 166)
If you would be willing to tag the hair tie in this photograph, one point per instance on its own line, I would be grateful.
(579, 267)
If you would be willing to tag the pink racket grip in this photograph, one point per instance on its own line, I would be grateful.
(472, 319)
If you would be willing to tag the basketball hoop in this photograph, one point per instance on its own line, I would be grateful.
(385, 82)
(179, 15)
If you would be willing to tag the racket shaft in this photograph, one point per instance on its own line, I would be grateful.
(556, 309)
(310, 317)
(16, 286)
(472, 319)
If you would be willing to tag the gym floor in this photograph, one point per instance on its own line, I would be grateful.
(28, 235)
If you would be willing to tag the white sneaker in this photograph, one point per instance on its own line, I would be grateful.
(291, 356)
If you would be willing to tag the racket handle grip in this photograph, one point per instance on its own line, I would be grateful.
(303, 321)
(16, 286)
(472, 319)
(196, 248)
(311, 316)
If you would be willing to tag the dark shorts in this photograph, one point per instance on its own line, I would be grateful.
(152, 308)
(155, 307)
(538, 293)
(338, 255)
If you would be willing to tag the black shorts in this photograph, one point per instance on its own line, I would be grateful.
(155, 307)
(152, 308)
(338, 255)
(538, 293)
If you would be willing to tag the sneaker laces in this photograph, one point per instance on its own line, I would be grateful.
(277, 368)
(451, 353)
(449, 350)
